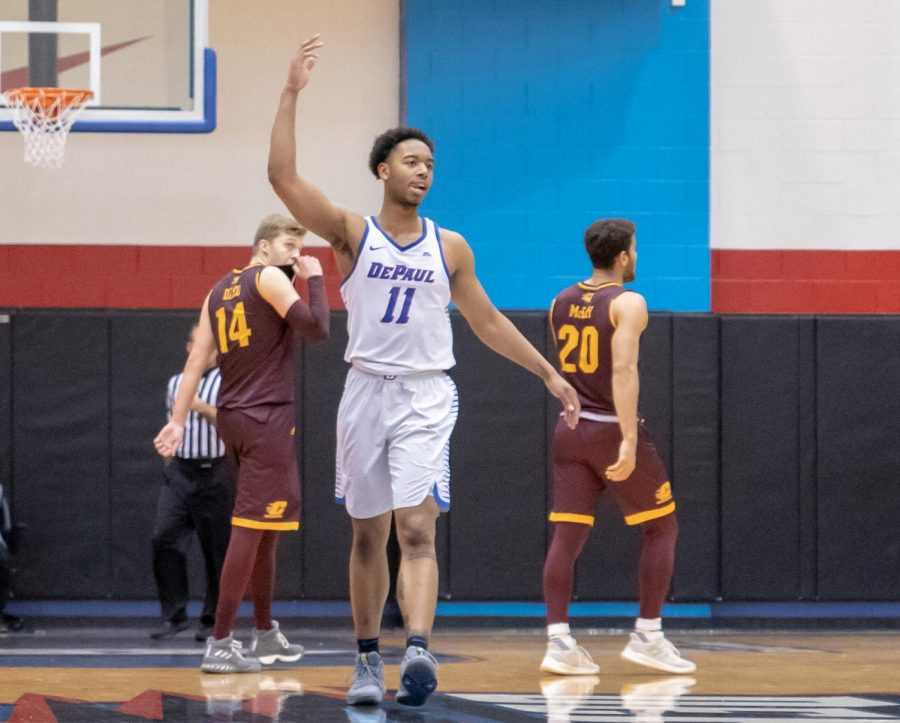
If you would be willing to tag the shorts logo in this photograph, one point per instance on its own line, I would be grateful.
(664, 493)
(276, 509)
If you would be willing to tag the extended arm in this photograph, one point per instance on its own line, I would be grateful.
(630, 316)
(169, 438)
(307, 203)
(498, 332)
(312, 320)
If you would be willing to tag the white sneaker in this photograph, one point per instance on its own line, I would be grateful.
(564, 660)
(659, 654)
(564, 695)
(647, 702)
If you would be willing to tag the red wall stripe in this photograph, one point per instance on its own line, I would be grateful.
(805, 282)
(126, 277)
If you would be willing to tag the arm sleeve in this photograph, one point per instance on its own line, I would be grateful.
(311, 320)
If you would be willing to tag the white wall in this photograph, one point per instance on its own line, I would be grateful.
(212, 189)
(805, 124)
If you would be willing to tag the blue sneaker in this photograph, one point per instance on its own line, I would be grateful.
(418, 676)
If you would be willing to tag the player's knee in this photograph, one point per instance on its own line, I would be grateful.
(665, 527)
(368, 544)
(416, 540)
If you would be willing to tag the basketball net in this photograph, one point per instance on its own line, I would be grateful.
(45, 116)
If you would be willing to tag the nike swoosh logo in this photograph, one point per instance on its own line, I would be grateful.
(375, 248)
(18, 77)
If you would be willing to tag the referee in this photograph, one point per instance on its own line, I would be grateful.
(197, 496)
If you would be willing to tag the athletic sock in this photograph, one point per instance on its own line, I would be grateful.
(649, 628)
(418, 641)
(367, 645)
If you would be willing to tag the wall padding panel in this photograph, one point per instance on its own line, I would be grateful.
(498, 462)
(6, 422)
(765, 413)
(325, 528)
(61, 402)
(858, 458)
(146, 349)
(695, 454)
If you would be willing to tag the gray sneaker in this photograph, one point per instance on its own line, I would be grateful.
(367, 687)
(268, 646)
(418, 676)
(225, 656)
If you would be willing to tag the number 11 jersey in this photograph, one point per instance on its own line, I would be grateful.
(583, 330)
(396, 298)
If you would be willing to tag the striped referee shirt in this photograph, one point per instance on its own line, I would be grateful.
(200, 438)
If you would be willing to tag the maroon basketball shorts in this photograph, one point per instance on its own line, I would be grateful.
(580, 459)
(259, 442)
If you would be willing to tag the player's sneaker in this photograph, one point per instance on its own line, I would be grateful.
(269, 646)
(564, 695)
(659, 654)
(418, 676)
(367, 687)
(649, 701)
(225, 656)
(563, 659)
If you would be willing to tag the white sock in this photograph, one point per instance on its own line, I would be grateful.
(650, 628)
(562, 632)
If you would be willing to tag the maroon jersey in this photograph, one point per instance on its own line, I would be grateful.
(582, 329)
(255, 345)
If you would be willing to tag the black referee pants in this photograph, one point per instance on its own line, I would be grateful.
(197, 496)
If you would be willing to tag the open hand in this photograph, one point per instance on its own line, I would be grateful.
(303, 63)
(563, 391)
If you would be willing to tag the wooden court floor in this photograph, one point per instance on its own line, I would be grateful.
(119, 674)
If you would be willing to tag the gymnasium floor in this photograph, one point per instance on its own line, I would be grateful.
(112, 671)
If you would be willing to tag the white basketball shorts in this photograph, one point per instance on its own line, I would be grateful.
(393, 441)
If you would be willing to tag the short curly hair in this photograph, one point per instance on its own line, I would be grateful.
(605, 239)
(388, 140)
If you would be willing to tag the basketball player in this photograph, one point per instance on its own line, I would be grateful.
(597, 325)
(248, 318)
(398, 407)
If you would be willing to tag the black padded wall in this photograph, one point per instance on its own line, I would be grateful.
(6, 420)
(498, 462)
(858, 458)
(695, 454)
(146, 349)
(61, 402)
(325, 529)
(767, 417)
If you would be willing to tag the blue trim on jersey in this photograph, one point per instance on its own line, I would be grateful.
(340, 501)
(359, 250)
(398, 246)
(437, 235)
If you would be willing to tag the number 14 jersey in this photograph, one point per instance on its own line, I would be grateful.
(583, 330)
(396, 298)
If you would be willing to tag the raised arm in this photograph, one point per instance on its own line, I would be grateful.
(313, 319)
(169, 438)
(629, 313)
(495, 330)
(307, 203)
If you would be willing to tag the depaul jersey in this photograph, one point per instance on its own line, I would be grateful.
(255, 345)
(396, 299)
(583, 330)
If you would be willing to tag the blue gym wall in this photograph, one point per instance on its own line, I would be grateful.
(548, 114)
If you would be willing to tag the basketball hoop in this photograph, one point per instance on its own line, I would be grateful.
(45, 116)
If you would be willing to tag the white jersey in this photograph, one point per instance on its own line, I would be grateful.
(396, 299)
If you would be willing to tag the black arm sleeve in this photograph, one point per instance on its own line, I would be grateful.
(311, 320)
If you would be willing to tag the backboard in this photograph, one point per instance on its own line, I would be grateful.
(146, 61)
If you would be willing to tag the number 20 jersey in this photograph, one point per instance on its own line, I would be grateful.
(396, 299)
(583, 330)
